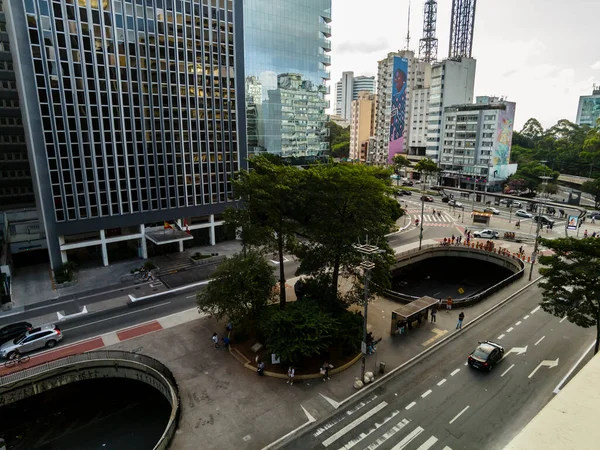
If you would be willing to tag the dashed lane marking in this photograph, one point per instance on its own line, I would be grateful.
(410, 405)
(510, 329)
(454, 372)
(441, 382)
(539, 340)
(535, 310)
(458, 415)
(506, 371)
(518, 323)
(563, 319)
(426, 393)
(526, 317)
(501, 336)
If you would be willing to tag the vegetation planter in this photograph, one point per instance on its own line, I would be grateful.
(204, 260)
(66, 284)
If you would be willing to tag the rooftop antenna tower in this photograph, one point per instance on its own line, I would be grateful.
(461, 28)
(428, 45)
(408, 29)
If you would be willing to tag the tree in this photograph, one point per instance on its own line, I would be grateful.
(427, 167)
(549, 189)
(532, 129)
(530, 174)
(571, 281)
(593, 188)
(240, 289)
(337, 134)
(268, 194)
(341, 150)
(400, 162)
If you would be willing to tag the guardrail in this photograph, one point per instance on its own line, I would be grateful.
(112, 356)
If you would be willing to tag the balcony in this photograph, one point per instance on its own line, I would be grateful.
(325, 44)
(326, 29)
(325, 59)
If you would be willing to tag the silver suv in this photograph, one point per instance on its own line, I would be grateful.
(45, 336)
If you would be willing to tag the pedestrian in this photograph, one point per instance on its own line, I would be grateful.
(461, 317)
(593, 219)
(444, 242)
(433, 315)
(291, 373)
(453, 238)
(229, 328)
(585, 234)
(260, 370)
(226, 341)
(325, 370)
(215, 339)
(551, 225)
(434, 211)
(439, 214)
(449, 304)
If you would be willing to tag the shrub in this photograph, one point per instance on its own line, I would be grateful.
(65, 273)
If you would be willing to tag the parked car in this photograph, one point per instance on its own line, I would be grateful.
(14, 330)
(523, 213)
(455, 204)
(544, 220)
(486, 234)
(491, 209)
(486, 356)
(427, 198)
(46, 336)
(510, 202)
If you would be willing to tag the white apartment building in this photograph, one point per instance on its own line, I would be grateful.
(452, 83)
(347, 90)
(362, 124)
(417, 93)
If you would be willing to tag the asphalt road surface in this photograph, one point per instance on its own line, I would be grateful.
(441, 403)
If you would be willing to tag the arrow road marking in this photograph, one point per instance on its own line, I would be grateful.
(517, 350)
(549, 364)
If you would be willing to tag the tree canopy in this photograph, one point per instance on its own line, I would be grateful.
(571, 284)
(593, 188)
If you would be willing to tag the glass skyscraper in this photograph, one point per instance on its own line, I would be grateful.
(286, 50)
(131, 111)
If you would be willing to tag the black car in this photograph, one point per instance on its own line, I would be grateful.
(407, 183)
(486, 356)
(544, 220)
(13, 330)
(445, 199)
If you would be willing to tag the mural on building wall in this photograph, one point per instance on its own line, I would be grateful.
(504, 134)
(398, 118)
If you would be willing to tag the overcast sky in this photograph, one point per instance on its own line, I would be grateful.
(542, 54)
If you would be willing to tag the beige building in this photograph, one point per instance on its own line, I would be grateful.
(362, 124)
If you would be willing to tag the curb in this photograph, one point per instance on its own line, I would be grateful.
(397, 370)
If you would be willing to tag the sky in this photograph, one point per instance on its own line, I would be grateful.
(541, 54)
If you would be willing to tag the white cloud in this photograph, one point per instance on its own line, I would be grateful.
(596, 65)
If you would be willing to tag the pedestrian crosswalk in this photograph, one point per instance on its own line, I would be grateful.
(375, 425)
(435, 218)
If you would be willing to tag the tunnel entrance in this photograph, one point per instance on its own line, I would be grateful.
(443, 276)
(111, 413)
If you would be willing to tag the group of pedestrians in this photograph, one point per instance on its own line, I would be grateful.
(454, 240)
(593, 235)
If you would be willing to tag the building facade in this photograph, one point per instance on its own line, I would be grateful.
(477, 140)
(290, 44)
(347, 90)
(133, 120)
(402, 89)
(16, 189)
(588, 111)
(362, 124)
(452, 83)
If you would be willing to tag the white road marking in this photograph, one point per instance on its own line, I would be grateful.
(518, 323)
(510, 329)
(501, 336)
(455, 372)
(539, 340)
(428, 443)
(349, 412)
(410, 405)
(458, 415)
(362, 436)
(559, 385)
(408, 438)
(441, 382)
(535, 310)
(426, 393)
(506, 371)
(115, 317)
(446, 448)
(356, 422)
(563, 319)
(526, 317)
(466, 363)
(548, 363)
(388, 434)
(191, 296)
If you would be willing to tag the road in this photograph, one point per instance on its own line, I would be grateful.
(440, 403)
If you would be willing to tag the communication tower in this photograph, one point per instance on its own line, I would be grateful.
(461, 28)
(428, 44)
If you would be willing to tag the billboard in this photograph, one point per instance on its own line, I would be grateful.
(572, 223)
(504, 134)
(397, 121)
(501, 172)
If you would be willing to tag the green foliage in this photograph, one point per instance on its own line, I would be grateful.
(302, 330)
(593, 188)
(528, 175)
(240, 289)
(341, 150)
(571, 281)
(66, 272)
(426, 167)
(532, 129)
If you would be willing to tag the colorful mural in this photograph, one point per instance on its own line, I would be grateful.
(504, 134)
(398, 118)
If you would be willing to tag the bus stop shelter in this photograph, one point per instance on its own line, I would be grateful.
(481, 217)
(410, 312)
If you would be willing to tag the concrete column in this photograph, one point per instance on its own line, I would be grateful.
(63, 254)
(180, 242)
(143, 242)
(211, 230)
(104, 250)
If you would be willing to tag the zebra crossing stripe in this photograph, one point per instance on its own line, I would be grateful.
(362, 436)
(408, 438)
(392, 431)
(428, 443)
(334, 437)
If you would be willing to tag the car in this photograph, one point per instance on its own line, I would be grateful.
(523, 213)
(486, 356)
(544, 220)
(593, 215)
(491, 209)
(445, 199)
(455, 204)
(14, 330)
(486, 234)
(407, 183)
(45, 336)
(510, 202)
(426, 198)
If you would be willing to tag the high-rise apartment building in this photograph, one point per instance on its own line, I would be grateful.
(452, 83)
(347, 90)
(132, 119)
(477, 139)
(16, 189)
(402, 91)
(287, 43)
(588, 111)
(362, 124)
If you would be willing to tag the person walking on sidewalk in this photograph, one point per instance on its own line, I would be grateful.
(260, 370)
(215, 339)
(433, 314)
(291, 373)
(461, 317)
(325, 370)
(449, 304)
